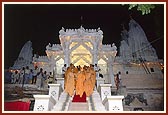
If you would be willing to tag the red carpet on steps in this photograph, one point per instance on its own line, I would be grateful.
(77, 98)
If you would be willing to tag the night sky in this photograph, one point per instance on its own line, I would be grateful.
(41, 24)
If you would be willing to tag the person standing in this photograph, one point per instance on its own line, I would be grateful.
(43, 79)
(88, 85)
(64, 68)
(27, 73)
(39, 78)
(50, 78)
(30, 76)
(120, 80)
(97, 69)
(70, 82)
(35, 71)
(117, 81)
(15, 77)
(93, 76)
(12, 78)
(22, 73)
(80, 82)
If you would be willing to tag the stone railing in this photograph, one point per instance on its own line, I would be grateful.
(44, 103)
(47, 102)
(63, 102)
(113, 103)
(95, 104)
(55, 91)
(104, 90)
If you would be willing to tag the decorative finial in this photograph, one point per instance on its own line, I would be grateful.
(98, 29)
(63, 28)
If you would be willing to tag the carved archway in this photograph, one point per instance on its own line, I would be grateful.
(81, 53)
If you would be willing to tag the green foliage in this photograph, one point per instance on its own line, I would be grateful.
(144, 8)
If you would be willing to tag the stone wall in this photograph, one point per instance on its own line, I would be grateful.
(142, 92)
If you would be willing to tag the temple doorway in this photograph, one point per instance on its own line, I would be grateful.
(81, 53)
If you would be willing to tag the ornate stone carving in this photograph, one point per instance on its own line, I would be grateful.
(106, 93)
(40, 108)
(116, 108)
(53, 93)
(81, 32)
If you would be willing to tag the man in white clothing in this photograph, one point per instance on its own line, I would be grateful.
(35, 71)
(27, 72)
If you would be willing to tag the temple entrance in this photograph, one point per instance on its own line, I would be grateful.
(81, 53)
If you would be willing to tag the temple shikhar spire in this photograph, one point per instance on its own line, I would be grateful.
(25, 56)
(137, 42)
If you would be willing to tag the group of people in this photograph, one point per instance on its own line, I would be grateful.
(32, 76)
(79, 79)
(24, 75)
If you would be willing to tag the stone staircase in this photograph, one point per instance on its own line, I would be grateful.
(78, 106)
(96, 102)
(63, 103)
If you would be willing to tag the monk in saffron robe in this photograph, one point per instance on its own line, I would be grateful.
(66, 73)
(79, 83)
(70, 83)
(93, 76)
(65, 78)
(88, 86)
(75, 74)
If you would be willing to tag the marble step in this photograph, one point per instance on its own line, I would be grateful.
(78, 106)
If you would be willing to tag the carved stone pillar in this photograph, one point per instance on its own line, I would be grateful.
(66, 58)
(95, 54)
(53, 67)
(66, 54)
(110, 71)
(54, 74)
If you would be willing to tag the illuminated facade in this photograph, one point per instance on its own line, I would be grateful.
(80, 47)
(142, 80)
